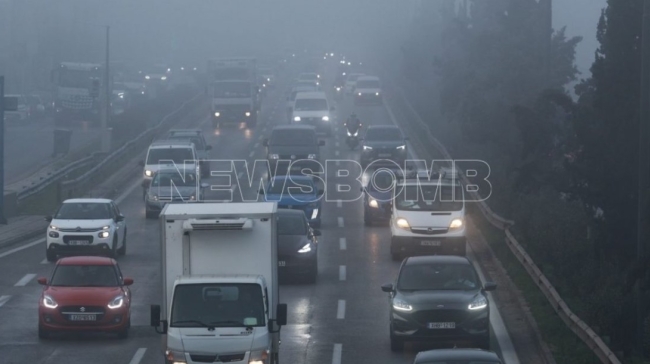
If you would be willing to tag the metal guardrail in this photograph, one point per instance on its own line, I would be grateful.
(573, 322)
(95, 175)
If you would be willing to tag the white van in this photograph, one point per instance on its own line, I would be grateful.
(367, 90)
(312, 108)
(168, 154)
(428, 216)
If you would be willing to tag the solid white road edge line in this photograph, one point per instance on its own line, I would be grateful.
(3, 300)
(340, 311)
(14, 250)
(24, 280)
(337, 353)
(137, 357)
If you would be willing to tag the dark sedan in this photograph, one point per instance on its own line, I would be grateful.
(297, 245)
(439, 299)
(383, 145)
(457, 356)
(378, 196)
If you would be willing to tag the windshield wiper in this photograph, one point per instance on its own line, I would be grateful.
(227, 322)
(200, 323)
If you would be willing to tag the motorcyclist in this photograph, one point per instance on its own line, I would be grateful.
(353, 123)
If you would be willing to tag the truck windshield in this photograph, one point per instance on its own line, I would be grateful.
(368, 84)
(232, 73)
(179, 156)
(76, 78)
(218, 305)
(429, 198)
(311, 105)
(232, 89)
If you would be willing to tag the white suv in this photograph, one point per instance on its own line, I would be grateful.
(168, 154)
(312, 108)
(428, 216)
(367, 90)
(86, 225)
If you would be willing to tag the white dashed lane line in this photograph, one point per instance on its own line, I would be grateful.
(340, 222)
(251, 154)
(342, 273)
(336, 355)
(336, 153)
(3, 300)
(340, 310)
(44, 261)
(256, 145)
(24, 280)
(137, 357)
(339, 203)
(343, 244)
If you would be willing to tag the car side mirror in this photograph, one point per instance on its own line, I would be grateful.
(321, 143)
(119, 218)
(128, 281)
(489, 286)
(281, 314)
(48, 218)
(265, 142)
(42, 281)
(316, 232)
(208, 147)
(155, 321)
(388, 288)
(141, 163)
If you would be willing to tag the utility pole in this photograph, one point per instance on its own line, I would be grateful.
(3, 220)
(643, 233)
(106, 100)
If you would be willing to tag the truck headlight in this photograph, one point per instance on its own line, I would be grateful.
(456, 224)
(248, 113)
(117, 302)
(163, 78)
(312, 156)
(479, 303)
(338, 89)
(401, 305)
(104, 234)
(148, 173)
(192, 198)
(274, 156)
(402, 223)
(326, 118)
(217, 114)
(376, 93)
(147, 77)
(297, 118)
(259, 357)
(401, 147)
(175, 357)
(305, 249)
(359, 94)
(373, 203)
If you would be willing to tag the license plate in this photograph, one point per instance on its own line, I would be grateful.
(83, 317)
(282, 263)
(442, 325)
(430, 242)
(384, 155)
(78, 242)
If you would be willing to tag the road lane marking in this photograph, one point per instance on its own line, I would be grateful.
(251, 154)
(137, 357)
(339, 203)
(24, 280)
(336, 144)
(342, 273)
(336, 153)
(343, 244)
(44, 261)
(340, 311)
(127, 192)
(336, 355)
(338, 163)
(256, 145)
(3, 300)
(14, 250)
(340, 222)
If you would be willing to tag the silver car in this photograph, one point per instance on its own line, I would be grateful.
(172, 185)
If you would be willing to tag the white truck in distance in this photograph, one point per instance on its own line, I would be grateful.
(220, 284)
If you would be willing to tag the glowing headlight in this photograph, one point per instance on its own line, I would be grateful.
(182, 68)
(326, 118)
(147, 77)
(259, 357)
(338, 89)
(121, 96)
(217, 114)
(49, 302)
(318, 76)
(479, 303)
(297, 118)
(163, 78)
(376, 93)
(359, 93)
(314, 214)
(402, 223)
(365, 147)
(268, 80)
(192, 198)
(153, 197)
(274, 156)
(103, 234)
(311, 156)
(175, 357)
(263, 85)
(456, 224)
(373, 203)
(52, 227)
(248, 113)
(148, 173)
(343, 72)
(402, 147)
(305, 249)
(117, 302)
(401, 305)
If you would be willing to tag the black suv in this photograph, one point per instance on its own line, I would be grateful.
(439, 299)
(291, 148)
(383, 143)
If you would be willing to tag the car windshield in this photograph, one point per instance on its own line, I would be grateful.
(368, 84)
(289, 187)
(178, 179)
(198, 141)
(232, 89)
(84, 211)
(452, 277)
(218, 305)
(179, 156)
(311, 105)
(293, 137)
(85, 276)
(291, 225)
(429, 198)
(384, 134)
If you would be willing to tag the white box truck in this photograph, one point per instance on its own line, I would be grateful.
(220, 284)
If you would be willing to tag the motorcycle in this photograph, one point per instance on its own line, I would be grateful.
(353, 138)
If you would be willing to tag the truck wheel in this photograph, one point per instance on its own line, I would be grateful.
(50, 255)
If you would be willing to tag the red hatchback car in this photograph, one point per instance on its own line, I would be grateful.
(85, 294)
